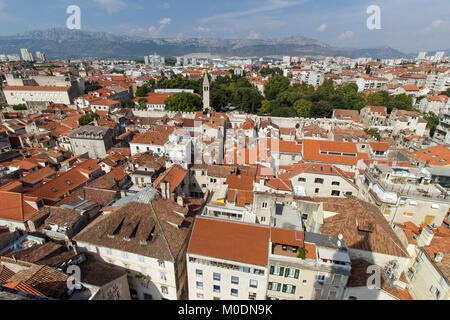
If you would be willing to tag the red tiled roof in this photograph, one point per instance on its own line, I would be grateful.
(234, 241)
(174, 175)
(15, 206)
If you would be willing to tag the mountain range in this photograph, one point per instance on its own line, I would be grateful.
(62, 43)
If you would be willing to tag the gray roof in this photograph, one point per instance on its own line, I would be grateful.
(89, 131)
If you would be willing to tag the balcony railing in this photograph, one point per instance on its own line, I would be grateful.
(409, 189)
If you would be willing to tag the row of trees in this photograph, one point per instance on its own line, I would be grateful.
(302, 100)
(281, 98)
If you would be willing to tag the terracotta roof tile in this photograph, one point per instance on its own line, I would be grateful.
(240, 242)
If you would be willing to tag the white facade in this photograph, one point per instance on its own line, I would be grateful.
(217, 279)
(19, 96)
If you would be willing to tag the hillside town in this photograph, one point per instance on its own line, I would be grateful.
(225, 178)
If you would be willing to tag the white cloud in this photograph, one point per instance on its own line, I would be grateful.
(436, 26)
(322, 27)
(155, 31)
(254, 35)
(165, 21)
(165, 5)
(347, 35)
(438, 23)
(111, 6)
(202, 29)
(268, 5)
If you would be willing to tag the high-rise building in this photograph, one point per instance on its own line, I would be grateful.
(439, 56)
(26, 55)
(40, 56)
(422, 55)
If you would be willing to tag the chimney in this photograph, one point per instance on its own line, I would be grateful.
(180, 201)
(425, 236)
(165, 188)
(438, 257)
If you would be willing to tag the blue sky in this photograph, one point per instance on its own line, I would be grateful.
(407, 25)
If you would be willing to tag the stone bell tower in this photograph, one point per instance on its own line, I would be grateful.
(206, 98)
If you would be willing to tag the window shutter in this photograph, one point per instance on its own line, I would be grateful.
(297, 273)
(284, 288)
(281, 271)
(271, 269)
(270, 285)
(293, 289)
(286, 273)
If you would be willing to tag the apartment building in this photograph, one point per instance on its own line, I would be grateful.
(442, 133)
(153, 140)
(94, 139)
(437, 82)
(306, 266)
(373, 116)
(428, 271)
(147, 236)
(411, 121)
(107, 105)
(319, 180)
(366, 83)
(435, 104)
(404, 194)
(227, 260)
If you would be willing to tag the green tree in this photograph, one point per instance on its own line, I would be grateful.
(128, 104)
(275, 86)
(87, 118)
(303, 108)
(266, 71)
(20, 107)
(142, 104)
(322, 109)
(185, 102)
(446, 92)
(379, 98)
(373, 133)
(219, 97)
(146, 88)
(248, 99)
(92, 88)
(401, 101)
(432, 120)
(170, 62)
(266, 108)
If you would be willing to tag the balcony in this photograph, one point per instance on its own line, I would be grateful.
(411, 189)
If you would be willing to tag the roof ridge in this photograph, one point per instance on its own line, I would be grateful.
(162, 231)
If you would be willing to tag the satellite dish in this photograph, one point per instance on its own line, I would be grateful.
(340, 236)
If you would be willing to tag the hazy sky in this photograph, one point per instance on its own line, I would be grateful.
(406, 25)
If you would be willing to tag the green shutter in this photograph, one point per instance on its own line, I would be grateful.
(286, 273)
(278, 286)
(297, 273)
(293, 289)
(284, 288)
(281, 271)
(271, 269)
(270, 285)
